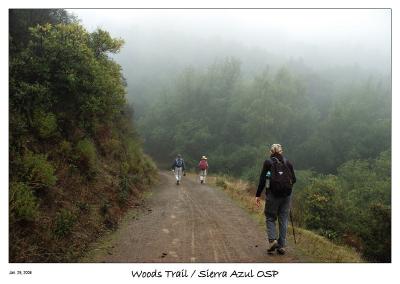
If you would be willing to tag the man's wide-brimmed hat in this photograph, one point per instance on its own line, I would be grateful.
(204, 158)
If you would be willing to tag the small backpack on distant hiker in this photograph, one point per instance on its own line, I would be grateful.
(281, 180)
(179, 163)
(203, 165)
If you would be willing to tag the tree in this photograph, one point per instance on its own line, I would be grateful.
(72, 141)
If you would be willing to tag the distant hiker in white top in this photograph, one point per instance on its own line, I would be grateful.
(203, 167)
(179, 168)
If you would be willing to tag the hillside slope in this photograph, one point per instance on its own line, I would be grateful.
(76, 162)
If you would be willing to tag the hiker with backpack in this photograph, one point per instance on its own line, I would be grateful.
(203, 167)
(278, 174)
(178, 167)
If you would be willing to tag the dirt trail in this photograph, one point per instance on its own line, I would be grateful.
(189, 223)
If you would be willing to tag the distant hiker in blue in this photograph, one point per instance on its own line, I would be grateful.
(179, 168)
(278, 174)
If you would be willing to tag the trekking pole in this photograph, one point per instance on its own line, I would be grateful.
(291, 221)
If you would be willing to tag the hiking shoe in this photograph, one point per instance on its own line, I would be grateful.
(201, 181)
(177, 182)
(281, 251)
(273, 246)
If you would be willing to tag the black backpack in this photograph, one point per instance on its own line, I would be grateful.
(281, 181)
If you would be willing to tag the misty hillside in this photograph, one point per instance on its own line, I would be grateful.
(340, 46)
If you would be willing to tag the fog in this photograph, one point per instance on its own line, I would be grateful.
(161, 43)
(94, 122)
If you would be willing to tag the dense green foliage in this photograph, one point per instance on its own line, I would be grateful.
(64, 222)
(70, 132)
(233, 120)
(352, 207)
(23, 205)
(336, 132)
(37, 171)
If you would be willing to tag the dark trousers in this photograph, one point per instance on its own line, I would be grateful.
(277, 208)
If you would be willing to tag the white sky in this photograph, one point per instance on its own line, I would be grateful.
(322, 37)
(364, 25)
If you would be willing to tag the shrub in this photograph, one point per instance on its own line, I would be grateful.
(112, 147)
(109, 219)
(105, 208)
(300, 192)
(23, 204)
(64, 222)
(124, 189)
(221, 182)
(139, 164)
(38, 171)
(252, 173)
(324, 211)
(150, 170)
(83, 206)
(44, 123)
(376, 236)
(65, 149)
(86, 152)
(124, 168)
